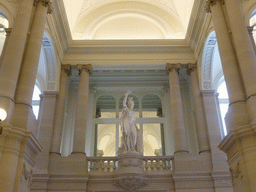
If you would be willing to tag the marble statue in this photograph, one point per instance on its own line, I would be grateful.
(131, 140)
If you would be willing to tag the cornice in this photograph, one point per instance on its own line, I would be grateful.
(235, 135)
(123, 46)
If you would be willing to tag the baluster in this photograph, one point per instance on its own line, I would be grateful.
(102, 165)
(114, 165)
(108, 165)
(152, 165)
(158, 164)
(169, 164)
(163, 164)
(146, 164)
(97, 166)
(91, 165)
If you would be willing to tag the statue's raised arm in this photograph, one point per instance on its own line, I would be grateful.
(125, 98)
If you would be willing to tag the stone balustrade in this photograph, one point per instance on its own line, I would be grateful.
(157, 163)
(102, 164)
(110, 164)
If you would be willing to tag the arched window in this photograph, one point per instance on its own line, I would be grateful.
(152, 132)
(3, 24)
(253, 24)
(107, 128)
(223, 102)
(36, 100)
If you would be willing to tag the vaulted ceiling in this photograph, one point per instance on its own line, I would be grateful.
(128, 19)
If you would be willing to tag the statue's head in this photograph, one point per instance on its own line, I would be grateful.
(130, 103)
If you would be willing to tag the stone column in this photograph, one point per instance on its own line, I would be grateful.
(245, 53)
(29, 67)
(236, 115)
(48, 105)
(201, 127)
(176, 108)
(7, 37)
(250, 31)
(80, 123)
(59, 115)
(220, 169)
(13, 56)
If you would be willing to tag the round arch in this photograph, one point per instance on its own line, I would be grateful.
(4, 11)
(211, 69)
(47, 68)
(251, 11)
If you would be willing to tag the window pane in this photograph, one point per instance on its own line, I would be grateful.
(108, 115)
(106, 140)
(147, 114)
(152, 140)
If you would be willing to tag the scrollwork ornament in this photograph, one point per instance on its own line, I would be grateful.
(191, 68)
(86, 67)
(170, 67)
(210, 3)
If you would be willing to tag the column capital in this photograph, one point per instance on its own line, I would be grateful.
(210, 3)
(46, 3)
(191, 68)
(171, 66)
(66, 69)
(86, 67)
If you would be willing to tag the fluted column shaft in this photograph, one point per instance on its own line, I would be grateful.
(245, 53)
(176, 108)
(200, 118)
(236, 115)
(59, 115)
(80, 122)
(13, 56)
(29, 67)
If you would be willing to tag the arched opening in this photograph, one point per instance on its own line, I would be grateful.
(3, 25)
(105, 131)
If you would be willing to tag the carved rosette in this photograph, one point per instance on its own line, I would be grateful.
(210, 3)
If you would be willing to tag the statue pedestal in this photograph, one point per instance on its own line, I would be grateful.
(129, 174)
